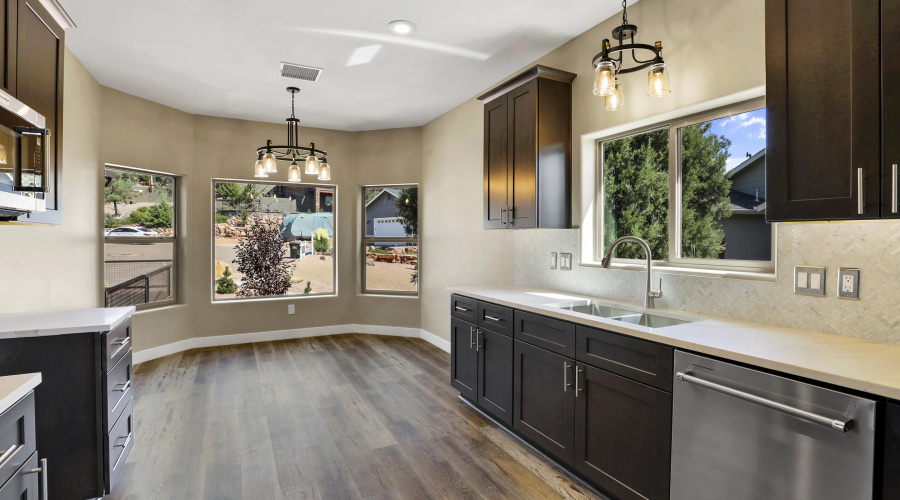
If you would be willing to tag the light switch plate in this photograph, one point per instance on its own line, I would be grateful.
(290, 308)
(552, 260)
(809, 280)
(848, 283)
(565, 261)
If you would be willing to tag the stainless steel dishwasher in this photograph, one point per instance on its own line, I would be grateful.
(739, 433)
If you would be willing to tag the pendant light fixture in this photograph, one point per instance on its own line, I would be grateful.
(269, 155)
(607, 69)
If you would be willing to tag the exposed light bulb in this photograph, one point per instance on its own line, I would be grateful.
(616, 99)
(658, 81)
(604, 79)
(270, 163)
(325, 171)
(294, 172)
(312, 165)
(260, 169)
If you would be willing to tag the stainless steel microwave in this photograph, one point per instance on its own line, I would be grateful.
(23, 160)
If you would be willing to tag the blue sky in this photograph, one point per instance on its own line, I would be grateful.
(747, 132)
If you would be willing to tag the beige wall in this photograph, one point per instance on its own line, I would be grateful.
(58, 267)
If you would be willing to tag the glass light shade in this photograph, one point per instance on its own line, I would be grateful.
(294, 173)
(312, 165)
(616, 99)
(260, 169)
(270, 163)
(658, 81)
(324, 172)
(604, 79)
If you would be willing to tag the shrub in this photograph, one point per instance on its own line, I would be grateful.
(221, 219)
(111, 221)
(158, 215)
(260, 258)
(308, 288)
(379, 251)
(321, 241)
(226, 284)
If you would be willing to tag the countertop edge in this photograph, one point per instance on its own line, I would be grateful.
(117, 315)
(15, 387)
(875, 386)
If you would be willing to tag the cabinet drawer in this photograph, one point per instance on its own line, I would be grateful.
(17, 441)
(119, 442)
(636, 359)
(116, 343)
(495, 318)
(463, 308)
(118, 390)
(23, 484)
(551, 334)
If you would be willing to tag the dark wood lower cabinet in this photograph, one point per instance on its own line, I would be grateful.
(544, 404)
(495, 374)
(891, 469)
(463, 358)
(623, 434)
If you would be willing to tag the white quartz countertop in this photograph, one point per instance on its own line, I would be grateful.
(65, 322)
(15, 387)
(867, 366)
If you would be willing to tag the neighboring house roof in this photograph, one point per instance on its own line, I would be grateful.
(746, 163)
(743, 203)
(391, 191)
(296, 226)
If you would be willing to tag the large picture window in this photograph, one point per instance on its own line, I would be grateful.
(391, 239)
(693, 188)
(139, 237)
(273, 240)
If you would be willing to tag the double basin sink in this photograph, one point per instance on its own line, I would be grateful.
(624, 315)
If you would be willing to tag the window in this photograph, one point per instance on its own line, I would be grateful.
(139, 237)
(693, 188)
(391, 239)
(273, 240)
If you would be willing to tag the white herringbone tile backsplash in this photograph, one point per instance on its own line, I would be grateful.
(872, 246)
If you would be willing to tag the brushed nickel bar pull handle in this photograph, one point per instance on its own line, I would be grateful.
(124, 388)
(6, 454)
(894, 188)
(510, 216)
(43, 471)
(492, 318)
(566, 383)
(121, 343)
(477, 341)
(577, 386)
(503, 216)
(123, 445)
(860, 192)
(471, 333)
(837, 425)
(463, 309)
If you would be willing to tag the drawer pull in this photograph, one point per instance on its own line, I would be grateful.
(125, 386)
(10, 452)
(463, 309)
(121, 343)
(566, 383)
(492, 318)
(471, 337)
(123, 446)
(43, 472)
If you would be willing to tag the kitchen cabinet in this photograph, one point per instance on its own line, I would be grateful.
(890, 119)
(544, 404)
(463, 358)
(495, 374)
(823, 82)
(890, 477)
(623, 434)
(8, 17)
(528, 151)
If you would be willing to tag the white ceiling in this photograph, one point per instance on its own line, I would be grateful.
(221, 57)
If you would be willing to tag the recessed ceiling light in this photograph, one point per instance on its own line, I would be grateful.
(401, 27)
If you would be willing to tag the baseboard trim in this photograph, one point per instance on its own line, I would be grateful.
(296, 333)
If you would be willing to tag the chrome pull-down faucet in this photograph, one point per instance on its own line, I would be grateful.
(651, 294)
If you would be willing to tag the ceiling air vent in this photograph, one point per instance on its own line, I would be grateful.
(300, 72)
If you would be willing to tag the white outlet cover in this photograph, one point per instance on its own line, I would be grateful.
(290, 308)
(848, 283)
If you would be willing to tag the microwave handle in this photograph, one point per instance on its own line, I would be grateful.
(34, 131)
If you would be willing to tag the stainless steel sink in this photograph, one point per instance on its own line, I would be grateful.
(650, 320)
(598, 310)
(624, 315)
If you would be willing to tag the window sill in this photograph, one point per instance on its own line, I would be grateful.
(389, 295)
(239, 300)
(667, 268)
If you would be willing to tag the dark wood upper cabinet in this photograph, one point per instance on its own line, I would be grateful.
(823, 105)
(8, 17)
(890, 119)
(623, 435)
(528, 151)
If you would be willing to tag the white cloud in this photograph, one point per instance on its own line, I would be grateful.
(733, 162)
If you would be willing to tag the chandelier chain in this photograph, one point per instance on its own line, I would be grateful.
(624, 13)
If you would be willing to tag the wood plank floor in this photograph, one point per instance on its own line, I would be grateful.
(344, 416)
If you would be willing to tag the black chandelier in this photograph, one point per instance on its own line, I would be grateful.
(606, 81)
(316, 161)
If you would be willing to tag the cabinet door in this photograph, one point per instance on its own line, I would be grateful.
(24, 484)
(823, 107)
(890, 129)
(623, 434)
(544, 400)
(495, 374)
(39, 68)
(463, 358)
(496, 162)
(8, 17)
(891, 487)
(523, 156)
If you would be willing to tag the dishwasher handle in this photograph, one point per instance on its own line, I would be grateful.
(837, 425)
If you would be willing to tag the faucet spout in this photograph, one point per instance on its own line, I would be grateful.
(651, 294)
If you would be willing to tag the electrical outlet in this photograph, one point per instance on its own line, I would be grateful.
(848, 283)
(290, 308)
(809, 280)
(553, 260)
(565, 261)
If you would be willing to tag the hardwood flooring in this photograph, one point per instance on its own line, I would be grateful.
(344, 416)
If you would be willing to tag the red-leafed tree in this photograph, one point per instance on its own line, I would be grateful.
(260, 258)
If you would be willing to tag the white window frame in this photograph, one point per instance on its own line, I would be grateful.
(366, 240)
(675, 261)
(212, 243)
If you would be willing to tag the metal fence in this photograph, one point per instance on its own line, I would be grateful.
(153, 284)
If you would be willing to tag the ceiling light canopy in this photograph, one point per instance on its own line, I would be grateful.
(269, 155)
(401, 27)
(607, 69)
